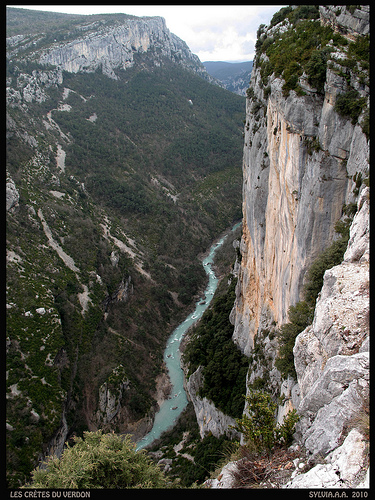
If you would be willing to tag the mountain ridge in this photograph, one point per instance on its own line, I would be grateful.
(232, 75)
(102, 40)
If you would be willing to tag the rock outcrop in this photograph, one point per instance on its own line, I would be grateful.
(110, 394)
(348, 20)
(345, 467)
(110, 45)
(12, 194)
(209, 418)
(332, 355)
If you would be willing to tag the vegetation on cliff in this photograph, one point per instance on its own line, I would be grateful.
(224, 366)
(304, 46)
(258, 423)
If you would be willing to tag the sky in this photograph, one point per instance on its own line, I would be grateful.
(212, 32)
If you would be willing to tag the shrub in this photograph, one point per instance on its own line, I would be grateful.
(350, 105)
(259, 426)
(280, 15)
(360, 49)
(332, 256)
(316, 69)
(100, 461)
(300, 316)
(298, 47)
(365, 124)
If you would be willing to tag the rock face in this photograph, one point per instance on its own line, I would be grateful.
(344, 467)
(209, 418)
(349, 22)
(299, 156)
(291, 201)
(112, 45)
(332, 355)
(301, 165)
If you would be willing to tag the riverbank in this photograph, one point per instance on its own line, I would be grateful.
(222, 235)
(171, 407)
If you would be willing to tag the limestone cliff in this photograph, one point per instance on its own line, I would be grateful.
(108, 45)
(209, 418)
(304, 161)
(300, 159)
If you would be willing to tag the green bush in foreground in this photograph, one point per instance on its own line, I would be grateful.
(100, 461)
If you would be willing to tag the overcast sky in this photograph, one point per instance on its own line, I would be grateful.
(213, 32)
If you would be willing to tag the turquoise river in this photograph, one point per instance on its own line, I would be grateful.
(171, 408)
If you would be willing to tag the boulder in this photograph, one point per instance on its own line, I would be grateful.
(336, 376)
(224, 479)
(345, 467)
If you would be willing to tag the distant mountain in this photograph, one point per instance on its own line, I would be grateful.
(233, 76)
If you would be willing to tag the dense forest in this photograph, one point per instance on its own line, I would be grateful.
(210, 345)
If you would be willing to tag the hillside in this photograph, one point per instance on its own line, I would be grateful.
(233, 76)
(123, 165)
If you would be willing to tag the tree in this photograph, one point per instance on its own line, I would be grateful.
(99, 461)
(259, 427)
(350, 105)
(316, 69)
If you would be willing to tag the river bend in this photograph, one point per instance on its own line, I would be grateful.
(171, 408)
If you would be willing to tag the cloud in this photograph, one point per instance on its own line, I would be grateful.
(220, 32)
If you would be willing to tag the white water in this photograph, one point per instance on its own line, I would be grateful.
(171, 408)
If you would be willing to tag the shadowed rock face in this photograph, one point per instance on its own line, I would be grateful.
(209, 418)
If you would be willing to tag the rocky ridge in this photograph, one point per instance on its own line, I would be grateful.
(109, 46)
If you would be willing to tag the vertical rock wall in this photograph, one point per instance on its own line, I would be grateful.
(299, 156)
(301, 165)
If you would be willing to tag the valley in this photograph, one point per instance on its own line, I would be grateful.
(127, 163)
(106, 221)
(232, 76)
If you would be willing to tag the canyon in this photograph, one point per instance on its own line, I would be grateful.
(114, 148)
(112, 140)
